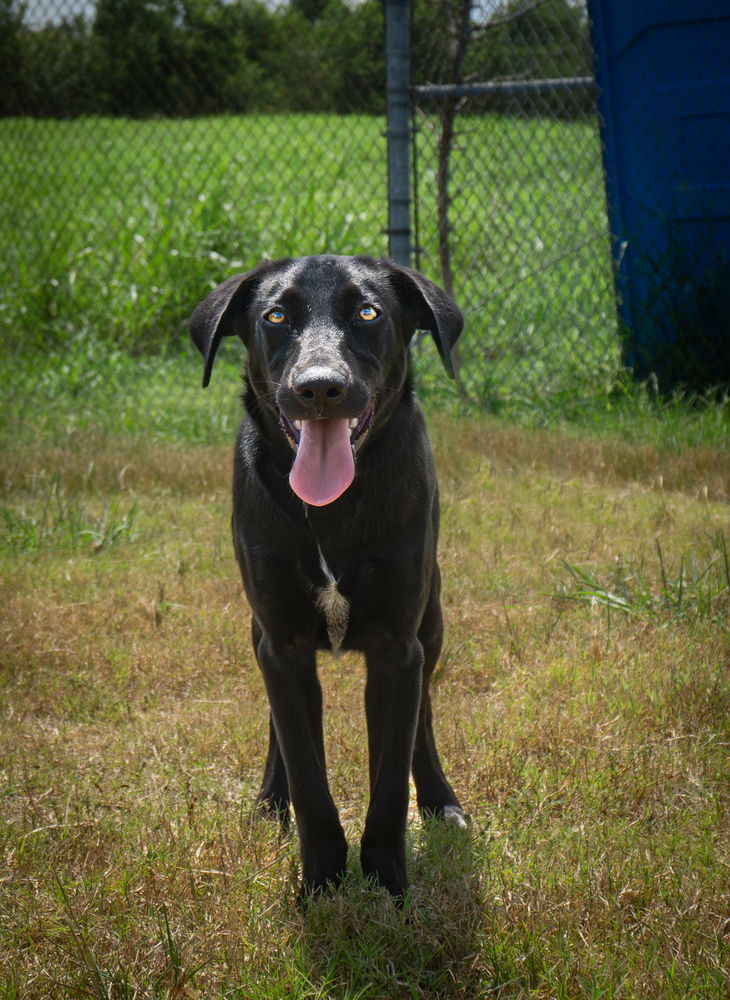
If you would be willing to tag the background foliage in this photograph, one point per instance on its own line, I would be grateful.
(140, 58)
(150, 149)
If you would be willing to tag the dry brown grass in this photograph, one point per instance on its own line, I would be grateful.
(589, 746)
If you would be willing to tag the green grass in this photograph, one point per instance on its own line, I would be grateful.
(696, 588)
(583, 697)
(127, 224)
(64, 522)
(587, 741)
(85, 386)
(530, 257)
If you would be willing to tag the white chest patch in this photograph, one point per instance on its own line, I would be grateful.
(335, 608)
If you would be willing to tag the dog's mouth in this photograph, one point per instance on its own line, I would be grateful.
(357, 427)
(324, 465)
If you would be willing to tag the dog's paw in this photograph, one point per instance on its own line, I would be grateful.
(452, 815)
(310, 890)
(323, 870)
(386, 868)
(456, 817)
(275, 810)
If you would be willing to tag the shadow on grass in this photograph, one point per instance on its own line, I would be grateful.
(357, 943)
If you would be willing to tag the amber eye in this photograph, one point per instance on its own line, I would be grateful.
(276, 316)
(368, 313)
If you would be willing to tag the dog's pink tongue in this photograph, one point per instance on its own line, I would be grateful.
(324, 466)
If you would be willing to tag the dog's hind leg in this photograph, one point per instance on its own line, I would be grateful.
(435, 795)
(273, 797)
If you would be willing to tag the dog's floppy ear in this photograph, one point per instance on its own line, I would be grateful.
(428, 307)
(224, 313)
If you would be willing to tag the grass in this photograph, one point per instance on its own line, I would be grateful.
(61, 521)
(126, 225)
(85, 387)
(693, 589)
(583, 693)
(588, 741)
(530, 253)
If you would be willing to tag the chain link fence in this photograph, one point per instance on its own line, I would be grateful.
(156, 146)
(148, 148)
(511, 203)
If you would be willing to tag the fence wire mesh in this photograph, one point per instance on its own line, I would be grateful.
(149, 148)
(511, 204)
(132, 195)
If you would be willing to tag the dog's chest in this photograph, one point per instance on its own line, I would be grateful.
(333, 605)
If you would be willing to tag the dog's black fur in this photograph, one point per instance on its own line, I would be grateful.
(314, 352)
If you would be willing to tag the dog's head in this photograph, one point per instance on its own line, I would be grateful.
(327, 341)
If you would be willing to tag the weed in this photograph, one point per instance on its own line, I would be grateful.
(53, 519)
(696, 588)
(96, 979)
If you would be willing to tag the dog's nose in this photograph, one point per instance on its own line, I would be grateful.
(319, 386)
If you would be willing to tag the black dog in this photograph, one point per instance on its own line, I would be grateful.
(335, 522)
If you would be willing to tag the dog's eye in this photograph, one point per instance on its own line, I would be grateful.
(368, 313)
(275, 316)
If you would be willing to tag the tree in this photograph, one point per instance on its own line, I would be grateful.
(135, 44)
(11, 58)
(534, 40)
(360, 54)
(311, 10)
(222, 50)
(59, 77)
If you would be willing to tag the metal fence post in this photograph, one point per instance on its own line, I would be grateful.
(398, 71)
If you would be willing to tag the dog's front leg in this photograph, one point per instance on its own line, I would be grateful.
(392, 696)
(295, 696)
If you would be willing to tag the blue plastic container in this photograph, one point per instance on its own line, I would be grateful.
(663, 73)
